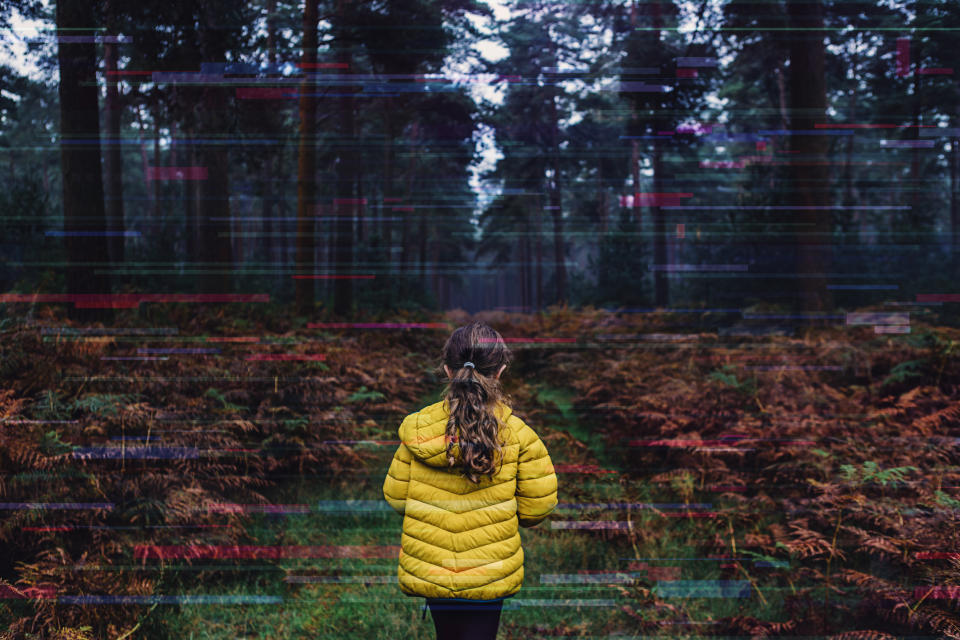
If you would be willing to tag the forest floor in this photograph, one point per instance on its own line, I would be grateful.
(711, 482)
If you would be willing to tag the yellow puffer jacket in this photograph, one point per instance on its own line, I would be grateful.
(460, 539)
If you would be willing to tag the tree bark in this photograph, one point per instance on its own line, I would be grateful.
(113, 157)
(267, 205)
(539, 256)
(84, 215)
(215, 227)
(555, 209)
(346, 173)
(188, 156)
(660, 289)
(307, 163)
(810, 181)
(635, 166)
(955, 200)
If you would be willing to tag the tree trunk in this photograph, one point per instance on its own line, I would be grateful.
(851, 216)
(113, 157)
(660, 286)
(539, 256)
(423, 246)
(267, 206)
(188, 156)
(307, 163)
(84, 215)
(215, 228)
(346, 173)
(637, 211)
(155, 209)
(555, 208)
(810, 180)
(404, 226)
(955, 201)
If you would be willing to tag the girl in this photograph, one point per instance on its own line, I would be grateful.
(468, 472)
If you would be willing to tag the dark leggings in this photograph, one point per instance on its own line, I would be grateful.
(456, 620)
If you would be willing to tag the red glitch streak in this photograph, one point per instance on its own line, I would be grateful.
(129, 300)
(376, 325)
(686, 73)
(717, 487)
(401, 209)
(235, 339)
(331, 277)
(41, 529)
(8, 592)
(681, 231)
(761, 145)
(938, 297)
(938, 592)
(533, 340)
(937, 555)
(855, 126)
(271, 357)
(322, 65)
(176, 173)
(250, 552)
(264, 93)
(936, 71)
(903, 57)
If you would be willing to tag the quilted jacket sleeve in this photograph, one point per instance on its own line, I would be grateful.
(536, 480)
(398, 478)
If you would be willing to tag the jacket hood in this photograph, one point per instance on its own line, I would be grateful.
(424, 433)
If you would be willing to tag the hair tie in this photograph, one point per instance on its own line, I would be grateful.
(469, 364)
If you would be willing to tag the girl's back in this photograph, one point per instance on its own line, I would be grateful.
(467, 474)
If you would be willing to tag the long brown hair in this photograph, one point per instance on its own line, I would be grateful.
(473, 394)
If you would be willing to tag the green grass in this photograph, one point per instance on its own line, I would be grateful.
(378, 610)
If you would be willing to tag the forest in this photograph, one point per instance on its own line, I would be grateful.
(721, 237)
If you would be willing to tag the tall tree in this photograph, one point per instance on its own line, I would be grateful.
(84, 217)
(810, 179)
(307, 162)
(113, 157)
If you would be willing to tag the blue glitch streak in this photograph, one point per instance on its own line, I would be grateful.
(232, 599)
(655, 309)
(177, 350)
(736, 137)
(779, 564)
(62, 234)
(789, 316)
(224, 140)
(56, 505)
(703, 588)
(136, 452)
(862, 286)
(807, 132)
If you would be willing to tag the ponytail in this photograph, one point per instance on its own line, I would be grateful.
(475, 355)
